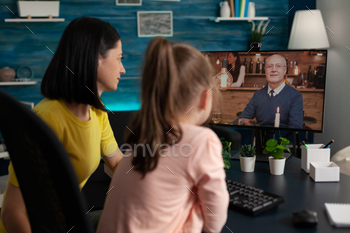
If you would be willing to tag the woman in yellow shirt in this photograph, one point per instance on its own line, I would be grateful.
(87, 62)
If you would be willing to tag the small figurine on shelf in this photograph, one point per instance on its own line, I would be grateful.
(7, 74)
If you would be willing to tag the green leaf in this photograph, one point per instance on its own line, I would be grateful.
(284, 140)
(226, 155)
(265, 151)
(270, 148)
(277, 154)
(282, 147)
(271, 142)
(227, 164)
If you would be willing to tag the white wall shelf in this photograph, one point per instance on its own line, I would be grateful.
(218, 19)
(4, 155)
(35, 20)
(17, 83)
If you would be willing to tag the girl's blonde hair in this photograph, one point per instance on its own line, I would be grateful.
(173, 76)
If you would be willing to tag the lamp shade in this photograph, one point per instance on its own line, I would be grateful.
(308, 31)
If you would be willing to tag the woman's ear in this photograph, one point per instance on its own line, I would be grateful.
(100, 57)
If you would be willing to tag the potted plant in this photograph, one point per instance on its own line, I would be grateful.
(48, 8)
(247, 158)
(276, 149)
(226, 152)
(256, 35)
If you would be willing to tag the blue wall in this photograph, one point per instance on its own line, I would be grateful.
(18, 46)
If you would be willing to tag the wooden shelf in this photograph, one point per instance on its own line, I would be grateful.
(18, 20)
(218, 19)
(17, 83)
(254, 74)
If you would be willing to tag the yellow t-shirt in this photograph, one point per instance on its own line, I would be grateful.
(84, 141)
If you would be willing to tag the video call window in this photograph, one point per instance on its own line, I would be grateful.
(298, 104)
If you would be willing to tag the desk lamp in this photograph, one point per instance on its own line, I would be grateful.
(308, 31)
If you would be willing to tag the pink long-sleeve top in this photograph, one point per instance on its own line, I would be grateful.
(185, 193)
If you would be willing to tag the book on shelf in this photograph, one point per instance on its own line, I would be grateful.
(239, 8)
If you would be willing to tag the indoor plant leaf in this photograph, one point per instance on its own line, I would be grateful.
(278, 154)
(271, 142)
(271, 148)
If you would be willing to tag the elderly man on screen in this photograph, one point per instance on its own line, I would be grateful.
(277, 104)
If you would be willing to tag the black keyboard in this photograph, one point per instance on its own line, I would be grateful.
(250, 200)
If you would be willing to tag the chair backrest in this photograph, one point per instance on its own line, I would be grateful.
(119, 120)
(229, 135)
(45, 175)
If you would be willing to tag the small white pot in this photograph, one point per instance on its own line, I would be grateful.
(38, 8)
(247, 163)
(277, 165)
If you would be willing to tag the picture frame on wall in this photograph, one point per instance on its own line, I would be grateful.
(128, 2)
(154, 23)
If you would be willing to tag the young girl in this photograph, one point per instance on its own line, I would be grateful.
(172, 179)
(86, 63)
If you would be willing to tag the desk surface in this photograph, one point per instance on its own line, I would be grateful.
(299, 191)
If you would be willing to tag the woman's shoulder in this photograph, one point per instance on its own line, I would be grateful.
(46, 106)
(100, 115)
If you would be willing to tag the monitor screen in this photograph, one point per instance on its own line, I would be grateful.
(279, 90)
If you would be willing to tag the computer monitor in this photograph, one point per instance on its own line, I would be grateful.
(296, 105)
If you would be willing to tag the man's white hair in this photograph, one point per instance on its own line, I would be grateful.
(285, 62)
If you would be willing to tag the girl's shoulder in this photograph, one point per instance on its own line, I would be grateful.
(197, 135)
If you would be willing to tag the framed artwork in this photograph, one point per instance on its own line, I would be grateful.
(155, 23)
(128, 2)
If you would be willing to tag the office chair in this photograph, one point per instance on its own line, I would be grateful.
(229, 135)
(119, 120)
(45, 175)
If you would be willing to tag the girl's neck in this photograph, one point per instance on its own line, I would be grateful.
(82, 111)
(193, 117)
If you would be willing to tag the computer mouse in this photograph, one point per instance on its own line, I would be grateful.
(305, 218)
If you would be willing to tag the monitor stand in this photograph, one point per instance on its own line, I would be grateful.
(261, 136)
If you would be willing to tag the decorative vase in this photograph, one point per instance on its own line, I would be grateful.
(247, 163)
(255, 46)
(7, 74)
(225, 11)
(277, 165)
(251, 10)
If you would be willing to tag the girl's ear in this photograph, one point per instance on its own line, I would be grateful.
(205, 96)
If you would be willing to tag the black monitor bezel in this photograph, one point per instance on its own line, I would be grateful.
(273, 128)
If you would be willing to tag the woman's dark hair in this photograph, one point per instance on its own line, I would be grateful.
(235, 72)
(174, 74)
(72, 72)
